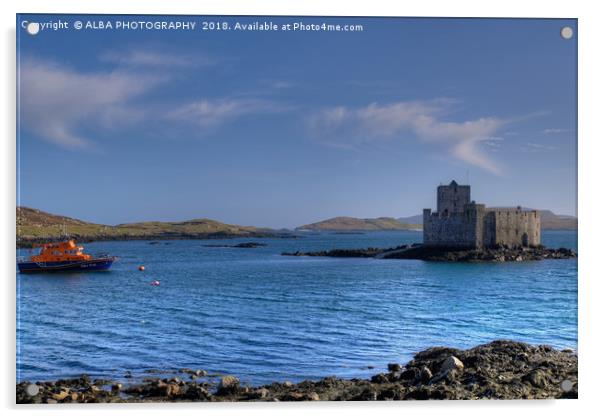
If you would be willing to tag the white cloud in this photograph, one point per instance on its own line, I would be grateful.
(56, 102)
(212, 112)
(423, 119)
(551, 131)
(149, 58)
(59, 104)
(494, 143)
(535, 147)
(281, 84)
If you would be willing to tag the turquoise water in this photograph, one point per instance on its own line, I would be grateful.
(265, 317)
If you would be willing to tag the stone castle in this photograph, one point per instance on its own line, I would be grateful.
(462, 223)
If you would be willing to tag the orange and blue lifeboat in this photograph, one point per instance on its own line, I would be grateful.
(64, 256)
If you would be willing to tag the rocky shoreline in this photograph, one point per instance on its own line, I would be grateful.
(497, 370)
(422, 252)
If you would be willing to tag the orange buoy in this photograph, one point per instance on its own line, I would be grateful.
(141, 268)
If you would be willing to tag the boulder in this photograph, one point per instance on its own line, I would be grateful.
(228, 385)
(173, 389)
(294, 396)
(313, 396)
(425, 374)
(261, 393)
(196, 393)
(536, 378)
(451, 363)
(391, 394)
(380, 379)
(60, 396)
(368, 394)
(394, 367)
(160, 388)
(409, 374)
(450, 368)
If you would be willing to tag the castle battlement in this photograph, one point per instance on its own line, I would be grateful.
(462, 223)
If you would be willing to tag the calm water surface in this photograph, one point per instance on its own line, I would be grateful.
(265, 317)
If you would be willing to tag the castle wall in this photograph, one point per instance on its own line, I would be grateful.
(516, 228)
(478, 227)
(479, 213)
(489, 229)
(457, 230)
(459, 223)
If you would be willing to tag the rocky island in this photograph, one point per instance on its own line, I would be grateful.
(462, 230)
(428, 253)
(498, 370)
(240, 245)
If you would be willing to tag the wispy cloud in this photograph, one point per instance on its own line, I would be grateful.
(56, 101)
(424, 119)
(213, 112)
(151, 58)
(60, 104)
(551, 131)
(494, 143)
(535, 147)
(280, 84)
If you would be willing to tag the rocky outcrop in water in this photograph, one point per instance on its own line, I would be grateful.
(421, 252)
(241, 245)
(343, 253)
(498, 370)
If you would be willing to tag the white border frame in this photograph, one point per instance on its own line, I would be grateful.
(590, 32)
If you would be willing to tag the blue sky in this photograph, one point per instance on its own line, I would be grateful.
(281, 128)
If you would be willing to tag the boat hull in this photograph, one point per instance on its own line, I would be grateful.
(97, 264)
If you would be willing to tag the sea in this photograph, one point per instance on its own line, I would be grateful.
(264, 317)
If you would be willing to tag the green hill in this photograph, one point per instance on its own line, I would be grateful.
(345, 223)
(34, 225)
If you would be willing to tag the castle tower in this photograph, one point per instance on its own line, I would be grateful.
(452, 198)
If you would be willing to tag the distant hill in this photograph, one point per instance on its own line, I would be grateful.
(549, 220)
(345, 223)
(416, 219)
(34, 225)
